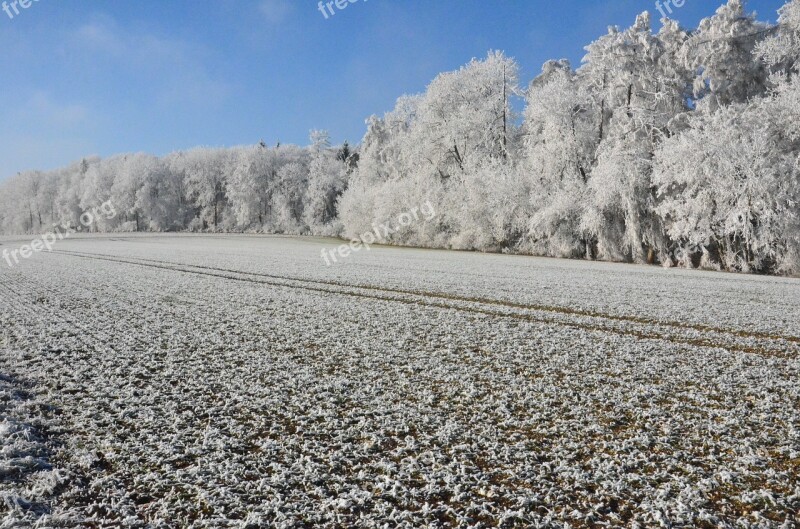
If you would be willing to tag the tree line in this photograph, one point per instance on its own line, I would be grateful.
(678, 147)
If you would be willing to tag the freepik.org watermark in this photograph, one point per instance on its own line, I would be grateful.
(327, 7)
(665, 8)
(48, 240)
(12, 8)
(380, 233)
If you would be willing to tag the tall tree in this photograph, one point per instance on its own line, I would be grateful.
(641, 89)
(559, 148)
(721, 53)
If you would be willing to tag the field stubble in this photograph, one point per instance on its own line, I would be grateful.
(236, 382)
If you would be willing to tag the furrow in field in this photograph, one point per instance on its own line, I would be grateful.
(30, 432)
(742, 333)
(88, 369)
(44, 310)
(674, 332)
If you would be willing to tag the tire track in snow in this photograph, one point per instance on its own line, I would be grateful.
(620, 325)
(483, 301)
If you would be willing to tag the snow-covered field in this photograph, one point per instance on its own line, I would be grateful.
(235, 381)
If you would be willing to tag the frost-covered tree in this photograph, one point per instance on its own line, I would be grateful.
(733, 203)
(288, 200)
(245, 185)
(640, 89)
(98, 184)
(559, 148)
(433, 147)
(161, 197)
(721, 53)
(205, 172)
(130, 175)
(327, 180)
(384, 160)
(20, 212)
(781, 50)
(465, 116)
(71, 181)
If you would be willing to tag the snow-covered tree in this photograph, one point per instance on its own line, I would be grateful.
(161, 197)
(327, 180)
(129, 180)
(721, 53)
(431, 148)
(781, 50)
(205, 172)
(289, 198)
(733, 202)
(641, 89)
(465, 117)
(559, 149)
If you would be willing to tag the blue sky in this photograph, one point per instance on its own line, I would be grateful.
(85, 77)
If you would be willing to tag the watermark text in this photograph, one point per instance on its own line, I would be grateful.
(665, 8)
(48, 240)
(380, 233)
(12, 8)
(327, 7)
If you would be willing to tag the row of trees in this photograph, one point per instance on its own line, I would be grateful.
(678, 147)
(285, 189)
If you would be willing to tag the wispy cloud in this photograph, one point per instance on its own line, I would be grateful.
(44, 132)
(42, 108)
(177, 69)
(276, 11)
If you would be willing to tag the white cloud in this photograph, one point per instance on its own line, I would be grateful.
(43, 109)
(43, 133)
(177, 69)
(275, 11)
(21, 152)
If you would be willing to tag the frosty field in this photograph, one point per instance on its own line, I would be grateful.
(237, 381)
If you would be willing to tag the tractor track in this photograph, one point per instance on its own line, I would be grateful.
(773, 345)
